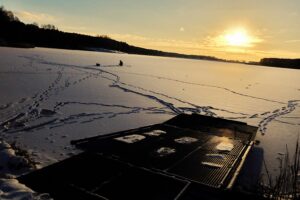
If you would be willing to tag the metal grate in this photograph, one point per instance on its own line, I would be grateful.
(90, 176)
(144, 152)
(193, 168)
(211, 145)
(136, 164)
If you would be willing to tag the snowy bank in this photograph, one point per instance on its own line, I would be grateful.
(12, 165)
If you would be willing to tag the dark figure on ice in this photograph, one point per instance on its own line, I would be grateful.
(121, 63)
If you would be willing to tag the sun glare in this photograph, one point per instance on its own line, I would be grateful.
(238, 38)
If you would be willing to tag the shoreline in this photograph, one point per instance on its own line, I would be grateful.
(103, 50)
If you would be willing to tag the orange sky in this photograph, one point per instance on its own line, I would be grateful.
(229, 29)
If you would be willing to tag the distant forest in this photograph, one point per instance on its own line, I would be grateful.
(281, 62)
(15, 33)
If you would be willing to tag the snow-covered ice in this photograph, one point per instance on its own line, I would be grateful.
(50, 97)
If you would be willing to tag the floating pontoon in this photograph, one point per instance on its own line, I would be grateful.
(186, 157)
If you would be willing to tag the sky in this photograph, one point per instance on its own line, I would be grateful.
(230, 29)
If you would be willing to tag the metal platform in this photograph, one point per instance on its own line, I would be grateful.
(161, 161)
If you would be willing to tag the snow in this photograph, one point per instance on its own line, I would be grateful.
(211, 164)
(224, 146)
(155, 133)
(186, 140)
(165, 151)
(130, 139)
(10, 166)
(12, 189)
(10, 162)
(50, 97)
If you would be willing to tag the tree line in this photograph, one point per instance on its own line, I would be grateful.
(16, 33)
(13, 32)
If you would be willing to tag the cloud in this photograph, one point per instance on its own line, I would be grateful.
(164, 44)
(206, 46)
(225, 39)
(292, 41)
(78, 29)
(173, 45)
(129, 37)
(30, 17)
(294, 14)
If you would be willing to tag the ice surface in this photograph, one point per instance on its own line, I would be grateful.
(50, 97)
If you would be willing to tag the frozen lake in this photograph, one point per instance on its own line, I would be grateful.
(89, 100)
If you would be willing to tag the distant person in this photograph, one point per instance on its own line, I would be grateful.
(121, 63)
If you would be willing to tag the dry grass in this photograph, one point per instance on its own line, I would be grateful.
(286, 186)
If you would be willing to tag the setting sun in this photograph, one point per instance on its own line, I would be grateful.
(196, 98)
(238, 38)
